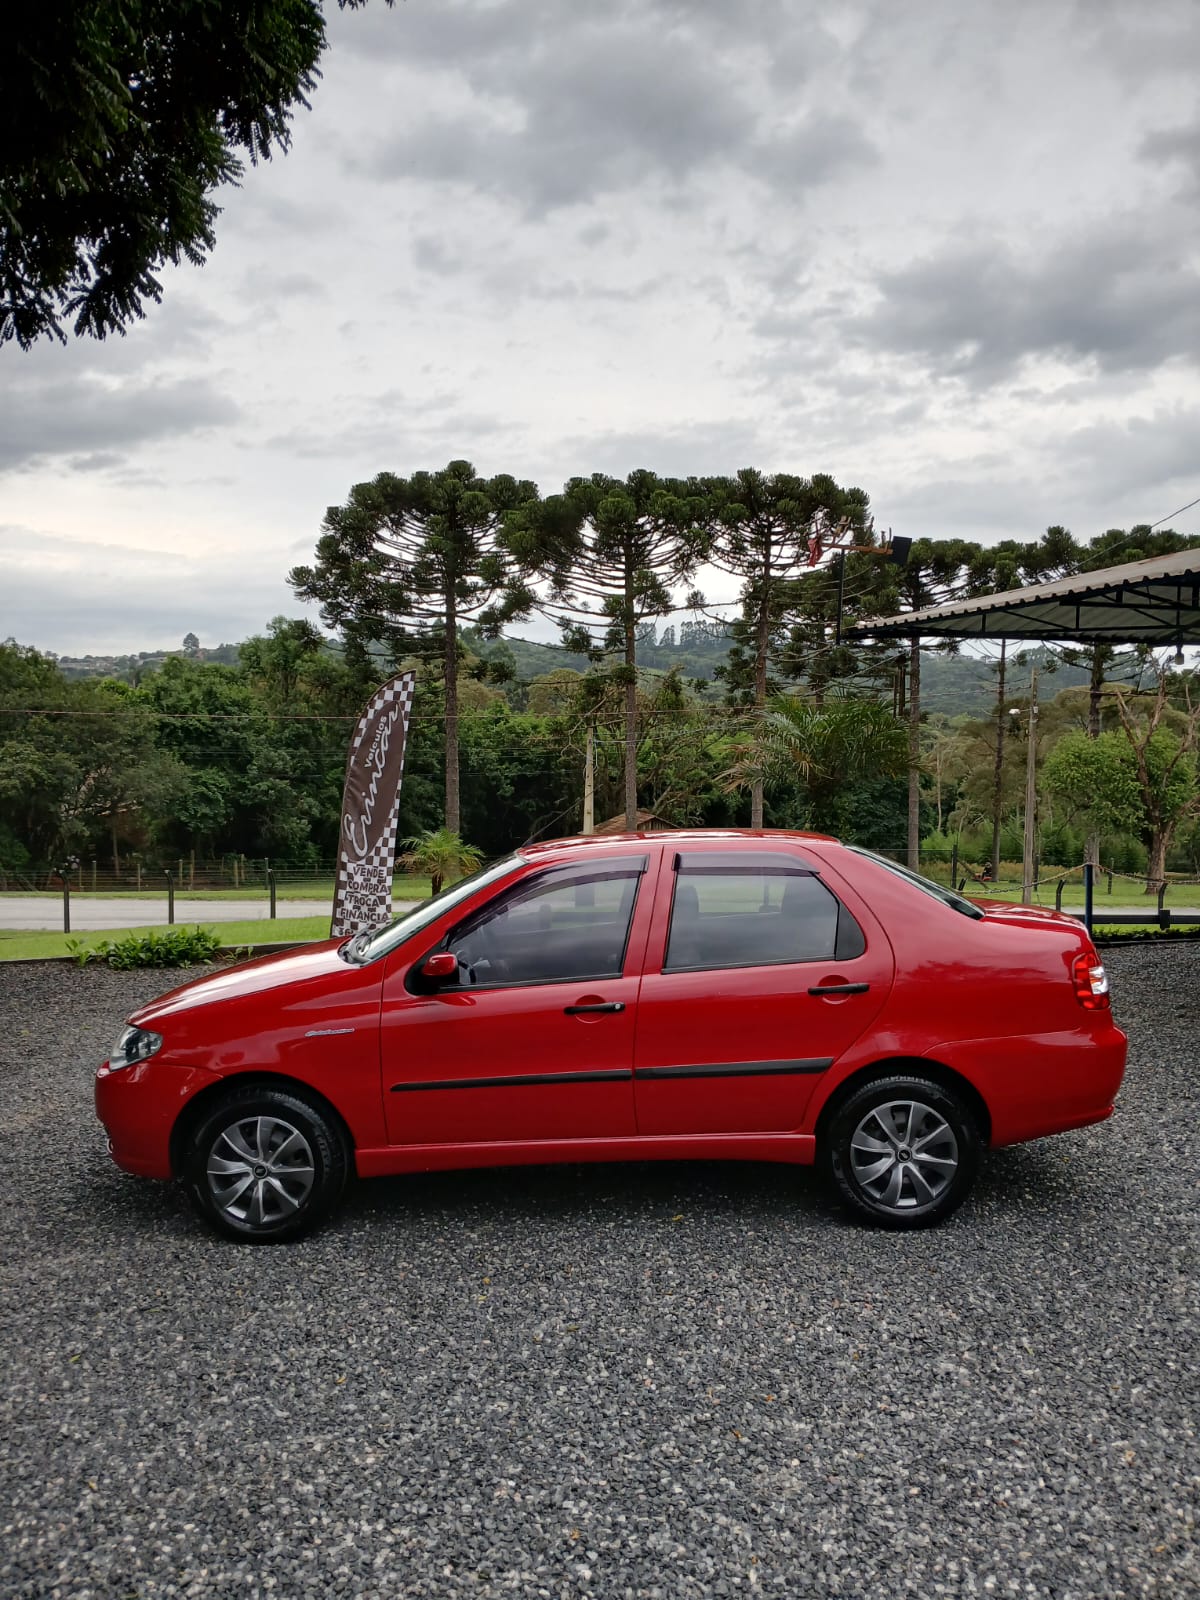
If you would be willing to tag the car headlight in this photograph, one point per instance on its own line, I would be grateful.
(134, 1045)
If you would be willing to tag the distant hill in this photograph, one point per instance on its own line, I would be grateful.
(131, 667)
(951, 685)
(962, 684)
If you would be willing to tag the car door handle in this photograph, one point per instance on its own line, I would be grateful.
(591, 1011)
(839, 988)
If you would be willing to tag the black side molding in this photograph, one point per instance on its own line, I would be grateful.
(739, 1069)
(517, 1080)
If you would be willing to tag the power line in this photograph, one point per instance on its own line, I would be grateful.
(1179, 513)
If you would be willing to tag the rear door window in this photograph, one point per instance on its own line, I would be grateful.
(750, 911)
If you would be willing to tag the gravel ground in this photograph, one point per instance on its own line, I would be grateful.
(642, 1381)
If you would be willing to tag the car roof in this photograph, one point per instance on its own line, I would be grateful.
(725, 837)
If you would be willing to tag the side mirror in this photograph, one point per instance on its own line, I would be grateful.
(440, 967)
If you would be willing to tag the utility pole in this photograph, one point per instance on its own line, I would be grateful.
(1030, 795)
(914, 754)
(998, 774)
(1095, 692)
(589, 781)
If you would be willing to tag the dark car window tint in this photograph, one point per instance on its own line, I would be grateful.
(561, 927)
(751, 919)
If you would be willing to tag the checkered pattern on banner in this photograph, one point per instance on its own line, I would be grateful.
(362, 896)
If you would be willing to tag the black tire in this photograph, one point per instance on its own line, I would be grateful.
(292, 1154)
(902, 1152)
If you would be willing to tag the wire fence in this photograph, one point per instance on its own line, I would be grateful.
(188, 874)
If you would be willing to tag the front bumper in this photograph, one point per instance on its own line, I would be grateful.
(139, 1106)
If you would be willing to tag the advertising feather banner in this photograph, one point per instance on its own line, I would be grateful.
(362, 896)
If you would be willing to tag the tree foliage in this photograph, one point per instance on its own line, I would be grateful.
(406, 561)
(826, 747)
(767, 530)
(119, 119)
(1097, 779)
(610, 552)
(440, 855)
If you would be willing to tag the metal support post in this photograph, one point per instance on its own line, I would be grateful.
(589, 781)
(1029, 868)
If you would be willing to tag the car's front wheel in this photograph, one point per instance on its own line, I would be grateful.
(264, 1165)
(902, 1152)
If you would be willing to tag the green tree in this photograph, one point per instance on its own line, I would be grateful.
(553, 692)
(249, 787)
(1139, 777)
(118, 121)
(763, 532)
(610, 552)
(824, 748)
(79, 768)
(1163, 745)
(1096, 778)
(407, 560)
(442, 855)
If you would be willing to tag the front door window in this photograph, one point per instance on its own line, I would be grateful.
(569, 925)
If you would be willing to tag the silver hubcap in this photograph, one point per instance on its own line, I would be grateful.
(904, 1155)
(260, 1171)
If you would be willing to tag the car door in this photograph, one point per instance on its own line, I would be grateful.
(758, 978)
(533, 1039)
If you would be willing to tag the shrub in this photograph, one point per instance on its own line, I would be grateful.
(176, 947)
(83, 954)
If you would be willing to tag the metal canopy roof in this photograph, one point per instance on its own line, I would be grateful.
(1154, 602)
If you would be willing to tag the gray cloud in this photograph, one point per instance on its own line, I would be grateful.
(511, 277)
(976, 310)
(680, 451)
(1139, 42)
(74, 597)
(1177, 148)
(98, 423)
(1141, 456)
(569, 106)
(812, 152)
(286, 286)
(398, 430)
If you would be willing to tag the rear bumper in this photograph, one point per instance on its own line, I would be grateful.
(1043, 1083)
(139, 1107)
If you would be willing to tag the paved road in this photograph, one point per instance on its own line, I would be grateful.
(637, 1383)
(36, 911)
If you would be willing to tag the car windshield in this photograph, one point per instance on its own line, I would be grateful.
(375, 942)
(936, 891)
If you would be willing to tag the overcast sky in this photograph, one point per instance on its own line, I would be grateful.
(945, 251)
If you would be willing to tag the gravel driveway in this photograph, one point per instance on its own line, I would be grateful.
(641, 1381)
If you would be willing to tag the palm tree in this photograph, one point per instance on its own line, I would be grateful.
(442, 854)
(839, 742)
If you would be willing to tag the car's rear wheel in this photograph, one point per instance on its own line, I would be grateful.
(902, 1152)
(264, 1166)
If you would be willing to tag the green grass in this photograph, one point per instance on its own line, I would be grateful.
(19, 946)
(1125, 896)
(1127, 893)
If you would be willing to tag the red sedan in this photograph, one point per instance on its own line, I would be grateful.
(694, 995)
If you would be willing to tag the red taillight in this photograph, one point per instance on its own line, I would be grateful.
(1091, 982)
